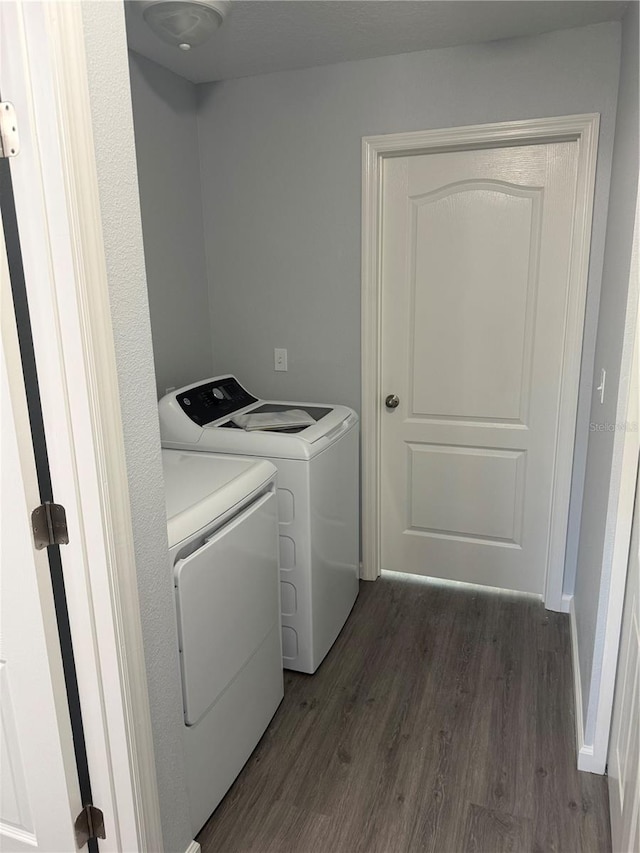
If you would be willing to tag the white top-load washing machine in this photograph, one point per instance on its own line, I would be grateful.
(223, 544)
(318, 500)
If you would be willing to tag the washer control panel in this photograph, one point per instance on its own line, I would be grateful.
(214, 399)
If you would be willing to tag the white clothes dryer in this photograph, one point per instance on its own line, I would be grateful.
(318, 500)
(223, 545)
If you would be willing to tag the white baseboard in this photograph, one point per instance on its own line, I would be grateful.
(565, 606)
(577, 683)
(363, 576)
(194, 847)
(586, 760)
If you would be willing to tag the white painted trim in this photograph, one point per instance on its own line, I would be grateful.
(622, 490)
(587, 761)
(577, 683)
(194, 847)
(582, 129)
(592, 756)
(584, 752)
(73, 340)
(371, 299)
(83, 204)
(565, 606)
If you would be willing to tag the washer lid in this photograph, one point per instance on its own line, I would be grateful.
(202, 487)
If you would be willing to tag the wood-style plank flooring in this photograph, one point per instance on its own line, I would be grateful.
(442, 720)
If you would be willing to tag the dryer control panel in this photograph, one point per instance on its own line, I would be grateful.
(213, 400)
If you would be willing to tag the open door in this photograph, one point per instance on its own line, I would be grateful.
(40, 790)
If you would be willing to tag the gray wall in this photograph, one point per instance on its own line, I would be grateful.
(280, 170)
(280, 167)
(164, 113)
(604, 453)
(108, 80)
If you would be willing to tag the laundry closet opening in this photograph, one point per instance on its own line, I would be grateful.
(374, 265)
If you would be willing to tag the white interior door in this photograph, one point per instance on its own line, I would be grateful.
(475, 279)
(39, 792)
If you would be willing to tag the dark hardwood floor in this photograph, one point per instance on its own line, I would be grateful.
(442, 720)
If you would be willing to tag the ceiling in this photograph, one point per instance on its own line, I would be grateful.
(261, 36)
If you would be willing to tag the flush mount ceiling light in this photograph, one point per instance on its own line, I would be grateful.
(185, 23)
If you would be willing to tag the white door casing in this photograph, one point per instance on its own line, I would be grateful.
(39, 792)
(593, 722)
(44, 73)
(475, 250)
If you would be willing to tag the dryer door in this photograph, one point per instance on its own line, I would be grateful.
(228, 600)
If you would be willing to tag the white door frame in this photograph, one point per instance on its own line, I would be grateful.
(593, 756)
(582, 129)
(628, 494)
(66, 277)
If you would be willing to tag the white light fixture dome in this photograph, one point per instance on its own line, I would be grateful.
(185, 23)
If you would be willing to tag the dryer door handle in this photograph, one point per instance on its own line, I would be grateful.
(235, 520)
(225, 523)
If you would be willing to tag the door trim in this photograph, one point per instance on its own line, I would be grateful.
(73, 337)
(120, 634)
(622, 497)
(582, 129)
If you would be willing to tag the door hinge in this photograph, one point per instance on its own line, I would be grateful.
(89, 824)
(49, 525)
(9, 139)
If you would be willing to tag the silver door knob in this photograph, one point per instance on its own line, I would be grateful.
(392, 401)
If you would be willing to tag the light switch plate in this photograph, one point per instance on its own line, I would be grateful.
(280, 359)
